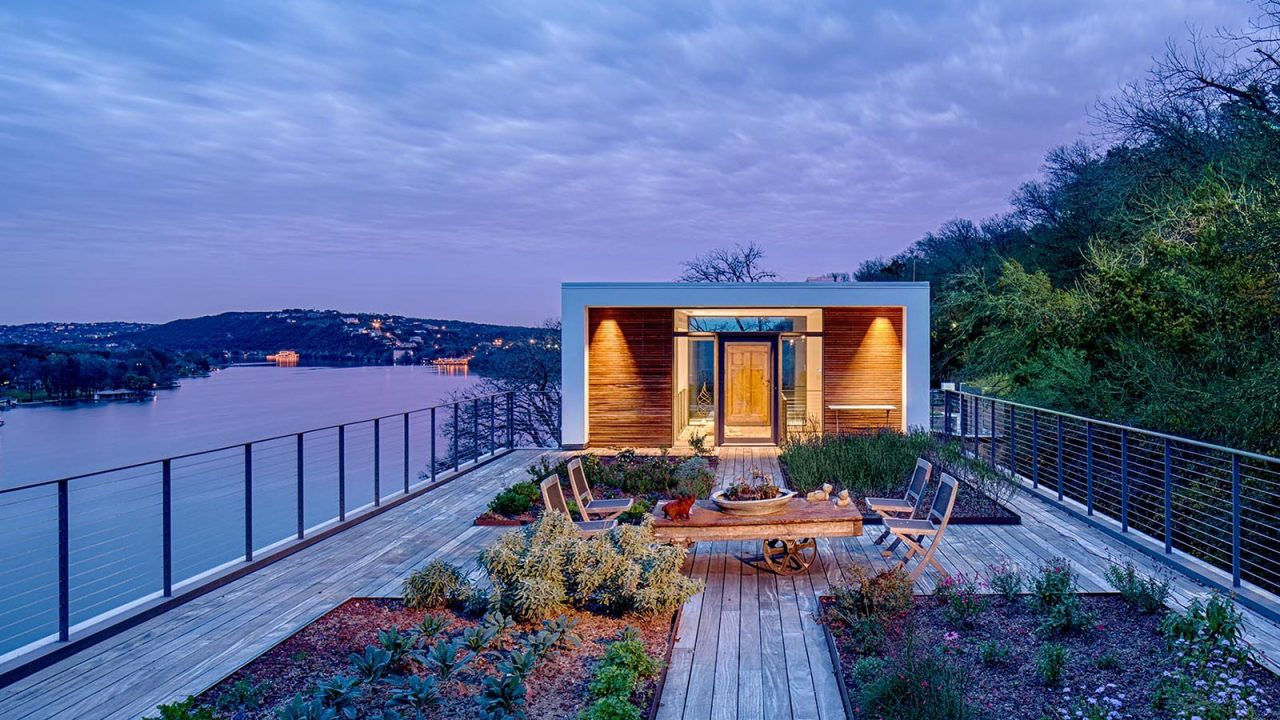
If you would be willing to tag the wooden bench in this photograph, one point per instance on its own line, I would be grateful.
(788, 538)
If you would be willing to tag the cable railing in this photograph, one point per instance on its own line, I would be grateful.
(1216, 504)
(88, 551)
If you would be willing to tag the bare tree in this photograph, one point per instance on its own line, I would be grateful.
(741, 263)
(1190, 86)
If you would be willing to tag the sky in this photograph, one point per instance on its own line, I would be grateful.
(164, 159)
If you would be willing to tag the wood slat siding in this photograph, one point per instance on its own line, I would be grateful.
(629, 365)
(861, 365)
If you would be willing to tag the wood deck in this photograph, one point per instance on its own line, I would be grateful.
(748, 646)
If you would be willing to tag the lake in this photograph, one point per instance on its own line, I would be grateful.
(115, 526)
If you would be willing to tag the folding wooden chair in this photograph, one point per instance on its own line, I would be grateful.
(589, 506)
(913, 532)
(553, 500)
(908, 504)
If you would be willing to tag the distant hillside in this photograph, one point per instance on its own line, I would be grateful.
(317, 335)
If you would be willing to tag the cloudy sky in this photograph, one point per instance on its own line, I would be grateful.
(164, 159)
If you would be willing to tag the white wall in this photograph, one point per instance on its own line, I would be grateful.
(577, 298)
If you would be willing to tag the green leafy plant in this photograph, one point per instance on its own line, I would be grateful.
(1055, 582)
(340, 694)
(395, 642)
(993, 652)
(887, 592)
(611, 708)
(434, 585)
(431, 626)
(372, 665)
(516, 499)
(417, 693)
(917, 685)
(242, 695)
(444, 659)
(184, 710)
(1005, 579)
(1147, 593)
(503, 694)
(1108, 661)
(631, 655)
(866, 669)
(1051, 662)
(477, 639)
(1206, 624)
(961, 598)
(300, 708)
(519, 663)
(613, 681)
(694, 477)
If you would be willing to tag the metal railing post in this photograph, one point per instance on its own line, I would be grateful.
(1013, 441)
(406, 453)
(433, 444)
(456, 462)
(1168, 497)
(475, 430)
(993, 434)
(1035, 449)
(964, 416)
(377, 463)
(1088, 467)
(1235, 520)
(492, 418)
(1059, 458)
(248, 502)
(946, 413)
(64, 562)
(301, 485)
(511, 419)
(1124, 481)
(342, 473)
(166, 525)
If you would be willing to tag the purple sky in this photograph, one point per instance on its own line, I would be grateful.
(167, 159)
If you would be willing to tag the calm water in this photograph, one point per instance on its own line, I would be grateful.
(115, 520)
(230, 406)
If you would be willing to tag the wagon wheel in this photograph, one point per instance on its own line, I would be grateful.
(790, 557)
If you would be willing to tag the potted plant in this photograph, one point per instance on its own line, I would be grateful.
(758, 495)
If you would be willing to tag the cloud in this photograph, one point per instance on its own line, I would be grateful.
(606, 139)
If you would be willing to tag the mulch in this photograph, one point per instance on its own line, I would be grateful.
(557, 689)
(1012, 690)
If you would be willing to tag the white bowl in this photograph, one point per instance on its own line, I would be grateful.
(752, 507)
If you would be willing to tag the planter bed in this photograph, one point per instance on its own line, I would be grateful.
(1137, 658)
(557, 689)
(645, 501)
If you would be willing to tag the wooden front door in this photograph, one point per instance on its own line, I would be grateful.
(748, 386)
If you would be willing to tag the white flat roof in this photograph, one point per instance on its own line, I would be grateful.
(744, 295)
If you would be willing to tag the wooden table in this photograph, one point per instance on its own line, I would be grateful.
(788, 537)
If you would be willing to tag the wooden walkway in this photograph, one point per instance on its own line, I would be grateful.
(747, 647)
(188, 649)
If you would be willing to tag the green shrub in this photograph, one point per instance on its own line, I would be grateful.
(961, 599)
(1005, 580)
(443, 658)
(300, 708)
(887, 592)
(868, 668)
(502, 696)
(1066, 616)
(1051, 663)
(417, 693)
(993, 652)
(1147, 593)
(517, 499)
(1108, 661)
(638, 511)
(184, 710)
(243, 695)
(340, 694)
(917, 686)
(373, 665)
(613, 681)
(611, 708)
(1055, 582)
(631, 655)
(870, 463)
(694, 477)
(1206, 625)
(434, 585)
(543, 568)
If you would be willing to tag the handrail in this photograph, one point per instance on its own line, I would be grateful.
(1121, 426)
(1155, 491)
(242, 443)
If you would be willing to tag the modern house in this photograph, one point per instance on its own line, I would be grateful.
(658, 364)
